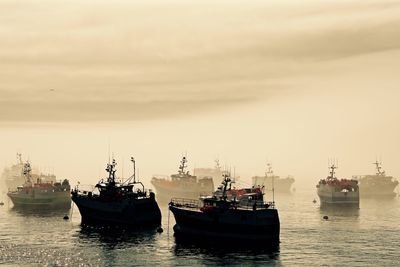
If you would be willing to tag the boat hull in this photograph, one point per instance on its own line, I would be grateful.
(133, 212)
(280, 185)
(258, 226)
(48, 200)
(328, 196)
(378, 191)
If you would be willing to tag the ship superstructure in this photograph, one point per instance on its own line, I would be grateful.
(214, 173)
(182, 185)
(270, 180)
(13, 176)
(378, 185)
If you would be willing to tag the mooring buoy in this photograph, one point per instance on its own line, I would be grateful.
(314, 201)
(66, 217)
(325, 217)
(160, 230)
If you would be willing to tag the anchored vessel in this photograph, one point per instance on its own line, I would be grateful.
(270, 180)
(338, 192)
(13, 176)
(118, 203)
(378, 185)
(182, 185)
(214, 173)
(236, 215)
(36, 192)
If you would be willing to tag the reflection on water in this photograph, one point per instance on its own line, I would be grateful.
(40, 212)
(112, 237)
(223, 253)
(333, 211)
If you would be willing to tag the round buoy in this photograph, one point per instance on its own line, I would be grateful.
(66, 217)
(325, 217)
(1, 203)
(314, 201)
(160, 230)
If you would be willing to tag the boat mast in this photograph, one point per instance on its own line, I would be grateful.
(269, 170)
(27, 172)
(19, 157)
(134, 169)
(182, 166)
(332, 171)
(111, 172)
(225, 182)
(273, 189)
(379, 168)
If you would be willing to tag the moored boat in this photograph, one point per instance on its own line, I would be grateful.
(118, 203)
(270, 180)
(13, 176)
(378, 185)
(334, 191)
(239, 215)
(213, 173)
(182, 185)
(38, 193)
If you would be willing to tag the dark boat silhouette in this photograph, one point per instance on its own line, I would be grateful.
(118, 203)
(230, 215)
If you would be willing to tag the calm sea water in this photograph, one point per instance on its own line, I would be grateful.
(368, 236)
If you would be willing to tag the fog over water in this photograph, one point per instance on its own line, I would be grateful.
(288, 82)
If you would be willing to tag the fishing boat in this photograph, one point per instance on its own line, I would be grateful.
(182, 185)
(13, 176)
(378, 185)
(229, 215)
(334, 191)
(270, 180)
(114, 203)
(36, 192)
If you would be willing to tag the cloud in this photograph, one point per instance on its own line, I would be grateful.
(143, 60)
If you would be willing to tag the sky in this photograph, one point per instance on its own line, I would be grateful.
(289, 82)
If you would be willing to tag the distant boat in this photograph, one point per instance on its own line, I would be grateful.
(182, 185)
(270, 180)
(214, 173)
(333, 191)
(36, 192)
(229, 215)
(378, 185)
(13, 176)
(118, 203)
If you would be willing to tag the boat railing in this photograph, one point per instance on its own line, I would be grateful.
(257, 206)
(185, 203)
